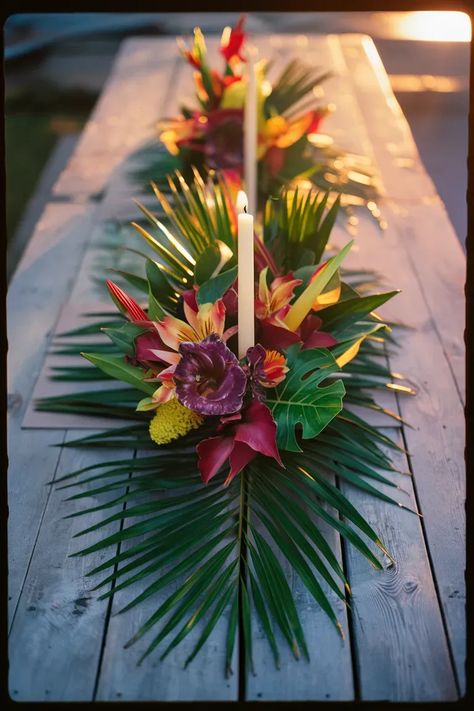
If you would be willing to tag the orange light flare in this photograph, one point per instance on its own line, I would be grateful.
(433, 26)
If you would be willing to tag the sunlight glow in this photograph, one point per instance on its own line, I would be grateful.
(435, 26)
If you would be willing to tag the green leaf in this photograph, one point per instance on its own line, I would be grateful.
(337, 317)
(213, 289)
(117, 368)
(158, 284)
(211, 261)
(137, 281)
(124, 338)
(300, 400)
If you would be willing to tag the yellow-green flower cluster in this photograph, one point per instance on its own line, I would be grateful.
(173, 420)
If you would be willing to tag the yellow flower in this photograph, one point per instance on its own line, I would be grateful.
(173, 420)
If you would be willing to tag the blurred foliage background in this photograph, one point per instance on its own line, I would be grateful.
(56, 65)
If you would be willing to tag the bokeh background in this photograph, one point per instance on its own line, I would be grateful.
(56, 64)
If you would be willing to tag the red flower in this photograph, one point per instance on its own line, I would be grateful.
(246, 434)
(231, 43)
(126, 304)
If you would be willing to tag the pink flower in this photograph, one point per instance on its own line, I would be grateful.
(244, 435)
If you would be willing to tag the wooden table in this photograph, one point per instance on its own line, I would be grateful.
(405, 637)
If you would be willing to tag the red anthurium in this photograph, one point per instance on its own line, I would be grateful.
(244, 435)
(271, 336)
(279, 337)
(312, 337)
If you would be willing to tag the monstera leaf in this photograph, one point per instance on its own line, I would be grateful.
(300, 400)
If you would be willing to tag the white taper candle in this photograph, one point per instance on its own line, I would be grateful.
(251, 131)
(246, 301)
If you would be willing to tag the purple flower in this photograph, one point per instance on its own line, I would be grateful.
(255, 357)
(209, 379)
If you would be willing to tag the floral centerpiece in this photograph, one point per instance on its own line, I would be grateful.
(246, 452)
(290, 144)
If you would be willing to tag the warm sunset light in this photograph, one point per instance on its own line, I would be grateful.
(435, 26)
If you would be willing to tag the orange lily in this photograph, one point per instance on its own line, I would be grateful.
(272, 302)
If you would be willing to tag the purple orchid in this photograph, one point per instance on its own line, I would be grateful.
(209, 379)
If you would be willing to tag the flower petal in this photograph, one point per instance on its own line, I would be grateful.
(258, 430)
(319, 339)
(212, 453)
(271, 336)
(173, 331)
(240, 456)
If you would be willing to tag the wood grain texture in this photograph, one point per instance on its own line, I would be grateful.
(420, 255)
(33, 305)
(428, 237)
(435, 439)
(56, 638)
(133, 97)
(397, 627)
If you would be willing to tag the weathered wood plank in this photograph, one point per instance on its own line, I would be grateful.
(436, 440)
(428, 237)
(404, 176)
(34, 302)
(56, 637)
(133, 97)
(397, 627)
(420, 254)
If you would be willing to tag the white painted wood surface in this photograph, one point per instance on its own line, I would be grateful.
(406, 635)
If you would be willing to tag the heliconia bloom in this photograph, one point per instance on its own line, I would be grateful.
(126, 304)
(267, 368)
(232, 41)
(208, 378)
(196, 55)
(272, 302)
(251, 432)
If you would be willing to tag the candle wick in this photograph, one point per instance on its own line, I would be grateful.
(245, 209)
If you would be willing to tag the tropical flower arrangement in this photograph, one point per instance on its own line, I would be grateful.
(290, 143)
(246, 452)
